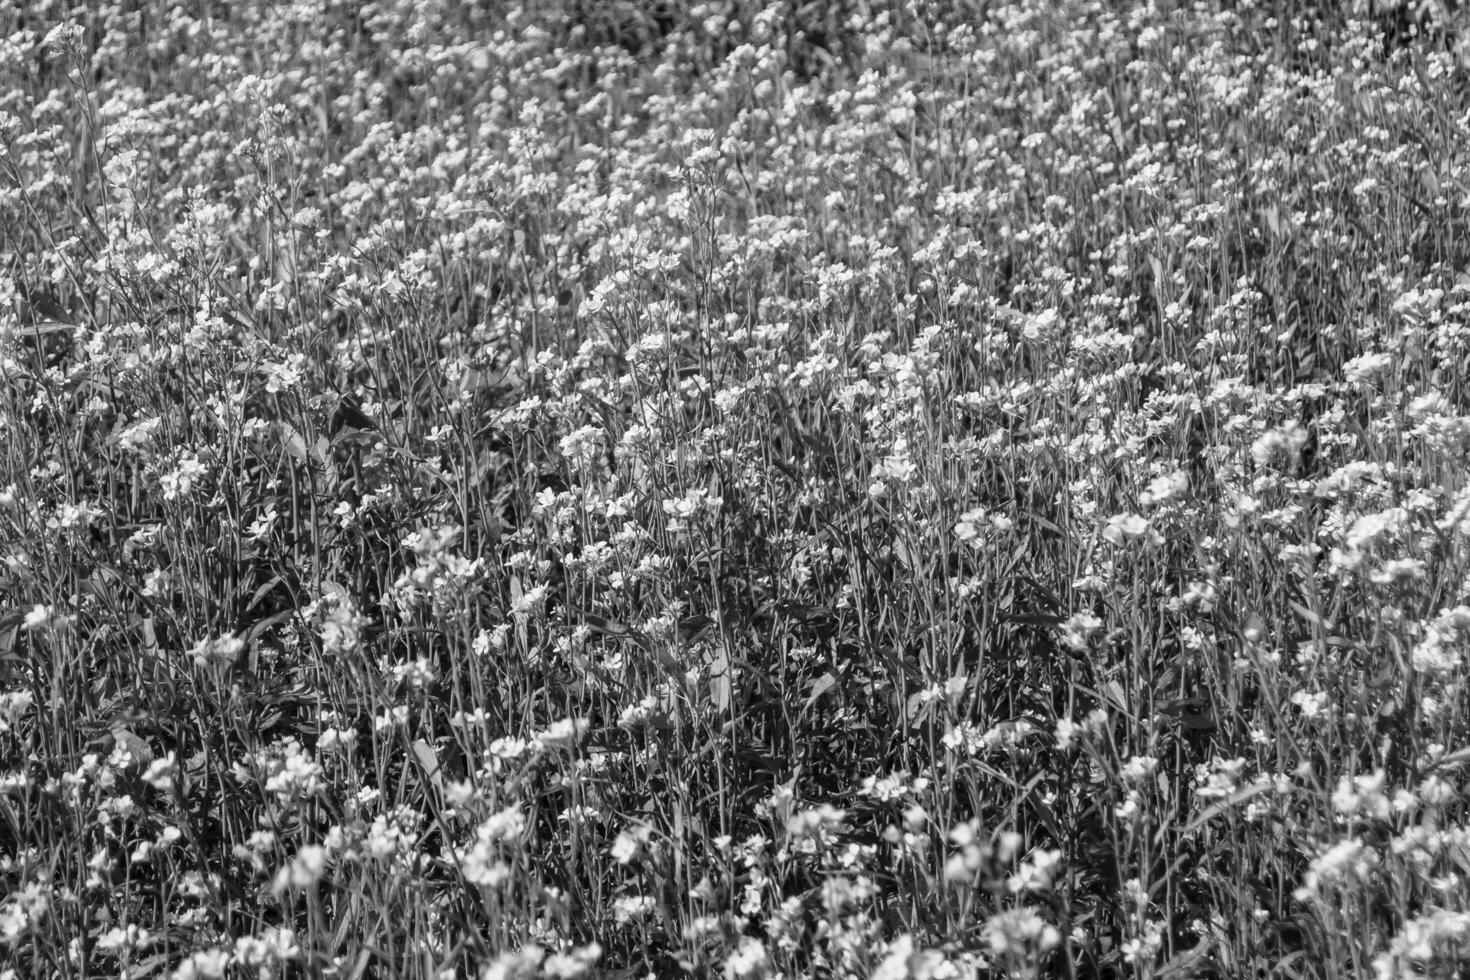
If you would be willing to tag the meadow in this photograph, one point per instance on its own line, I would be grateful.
(897, 490)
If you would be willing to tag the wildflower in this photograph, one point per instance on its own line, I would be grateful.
(394, 717)
(1036, 874)
(1020, 931)
(927, 964)
(1282, 445)
(209, 964)
(1362, 797)
(1442, 648)
(1365, 368)
(632, 908)
(897, 467)
(816, 823)
(1008, 736)
(22, 909)
(965, 735)
(949, 690)
(749, 961)
(179, 482)
(636, 714)
(893, 786)
(584, 447)
(341, 629)
(579, 813)
(1139, 767)
(1222, 781)
(630, 843)
(304, 871)
(1066, 734)
(1078, 628)
(1434, 943)
(220, 651)
(1129, 528)
(480, 865)
(262, 525)
(38, 616)
(70, 516)
(521, 965)
(1347, 860)
(1164, 488)
(488, 641)
(972, 524)
(562, 734)
(681, 511)
(529, 602)
(1143, 948)
(573, 964)
(277, 944)
(283, 375)
(130, 937)
(842, 892)
(509, 748)
(13, 704)
(292, 774)
(971, 856)
(506, 825)
(64, 37)
(1310, 705)
(1041, 326)
(417, 675)
(157, 583)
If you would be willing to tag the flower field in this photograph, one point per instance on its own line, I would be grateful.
(887, 489)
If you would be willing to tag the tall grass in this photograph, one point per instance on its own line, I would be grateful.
(734, 490)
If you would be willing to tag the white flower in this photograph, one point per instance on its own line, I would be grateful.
(1282, 445)
(632, 908)
(1310, 705)
(569, 966)
(630, 843)
(562, 733)
(1020, 931)
(179, 483)
(1128, 528)
(530, 601)
(221, 650)
(898, 466)
(748, 961)
(207, 965)
(1078, 628)
(1364, 368)
(1066, 733)
(283, 375)
(37, 617)
(1035, 875)
(972, 525)
(521, 965)
(1347, 859)
(1139, 768)
(305, 870)
(1165, 487)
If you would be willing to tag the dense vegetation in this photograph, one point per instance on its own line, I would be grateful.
(863, 489)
